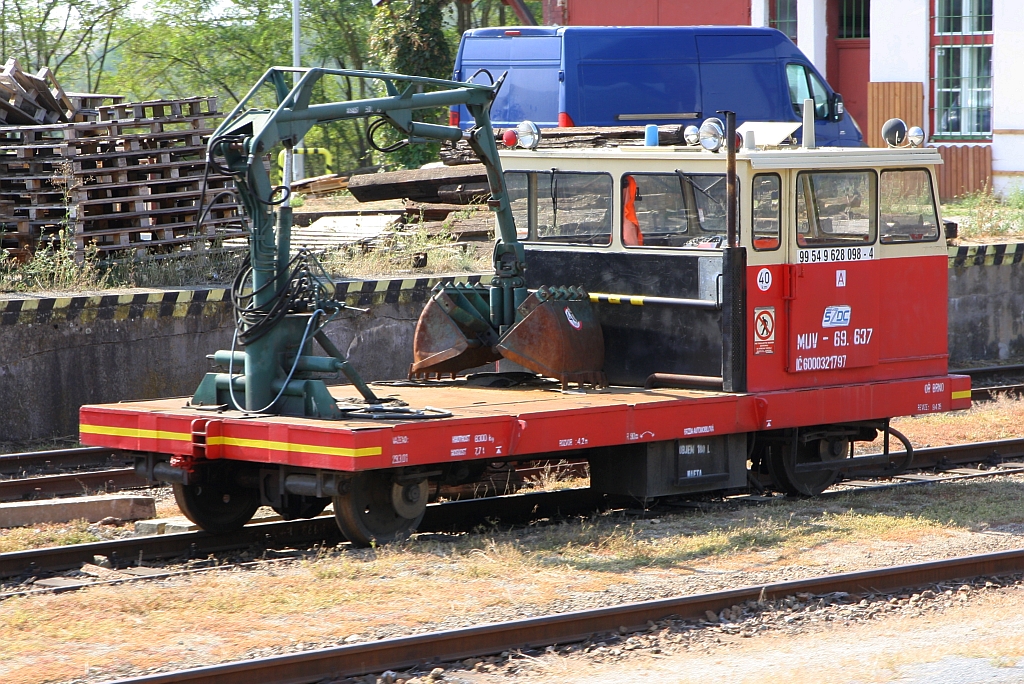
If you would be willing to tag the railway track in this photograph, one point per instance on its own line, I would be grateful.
(449, 517)
(74, 471)
(442, 517)
(535, 633)
(61, 460)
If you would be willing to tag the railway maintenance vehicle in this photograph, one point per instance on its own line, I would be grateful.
(708, 317)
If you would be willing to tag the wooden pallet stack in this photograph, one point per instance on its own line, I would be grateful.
(32, 98)
(129, 180)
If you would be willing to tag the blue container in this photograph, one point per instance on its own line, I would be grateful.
(651, 135)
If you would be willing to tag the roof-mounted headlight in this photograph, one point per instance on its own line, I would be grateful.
(712, 134)
(915, 136)
(691, 134)
(894, 132)
(529, 135)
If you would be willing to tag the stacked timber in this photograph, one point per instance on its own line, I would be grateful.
(439, 199)
(133, 179)
(320, 186)
(419, 185)
(454, 154)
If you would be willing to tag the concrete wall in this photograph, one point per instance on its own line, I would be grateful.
(57, 354)
(986, 303)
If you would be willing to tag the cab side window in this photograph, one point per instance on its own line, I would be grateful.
(804, 84)
(907, 206)
(835, 208)
(766, 211)
(561, 206)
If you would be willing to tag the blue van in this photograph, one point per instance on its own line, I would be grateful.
(620, 75)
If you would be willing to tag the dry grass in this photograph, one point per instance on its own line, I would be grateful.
(981, 216)
(207, 618)
(344, 200)
(999, 419)
(397, 253)
(489, 574)
(401, 587)
(46, 534)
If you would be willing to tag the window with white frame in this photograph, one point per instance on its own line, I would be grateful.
(962, 68)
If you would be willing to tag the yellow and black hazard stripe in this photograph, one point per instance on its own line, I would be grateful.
(986, 255)
(198, 302)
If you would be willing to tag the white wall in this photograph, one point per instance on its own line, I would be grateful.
(901, 46)
(900, 40)
(811, 31)
(758, 12)
(1007, 95)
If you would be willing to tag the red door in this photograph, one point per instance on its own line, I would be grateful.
(853, 73)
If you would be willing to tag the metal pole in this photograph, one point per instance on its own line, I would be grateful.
(298, 163)
(732, 235)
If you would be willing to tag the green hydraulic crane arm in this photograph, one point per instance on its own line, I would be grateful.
(247, 134)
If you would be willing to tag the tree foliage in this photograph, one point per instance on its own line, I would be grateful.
(409, 38)
(188, 48)
(74, 38)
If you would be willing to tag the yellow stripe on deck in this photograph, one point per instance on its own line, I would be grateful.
(134, 432)
(962, 394)
(293, 448)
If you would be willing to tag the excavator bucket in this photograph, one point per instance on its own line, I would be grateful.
(453, 333)
(557, 337)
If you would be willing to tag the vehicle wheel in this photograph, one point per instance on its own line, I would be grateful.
(217, 505)
(783, 459)
(374, 509)
(300, 507)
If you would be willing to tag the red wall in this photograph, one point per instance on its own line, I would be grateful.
(647, 12)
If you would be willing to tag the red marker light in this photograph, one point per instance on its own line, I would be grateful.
(513, 33)
(510, 138)
(453, 117)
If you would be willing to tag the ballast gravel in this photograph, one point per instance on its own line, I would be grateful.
(795, 616)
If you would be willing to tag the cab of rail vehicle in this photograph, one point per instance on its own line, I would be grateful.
(844, 259)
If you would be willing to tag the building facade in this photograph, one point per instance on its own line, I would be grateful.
(953, 67)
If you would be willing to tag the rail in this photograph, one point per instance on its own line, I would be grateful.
(406, 652)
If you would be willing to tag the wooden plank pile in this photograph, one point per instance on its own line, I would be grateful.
(454, 154)
(420, 185)
(130, 179)
(320, 186)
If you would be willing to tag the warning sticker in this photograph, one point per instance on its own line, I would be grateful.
(764, 330)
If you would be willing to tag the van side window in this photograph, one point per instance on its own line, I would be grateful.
(907, 206)
(673, 209)
(820, 95)
(835, 208)
(798, 88)
(562, 207)
(804, 84)
(766, 211)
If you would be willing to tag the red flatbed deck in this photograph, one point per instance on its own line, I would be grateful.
(500, 423)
